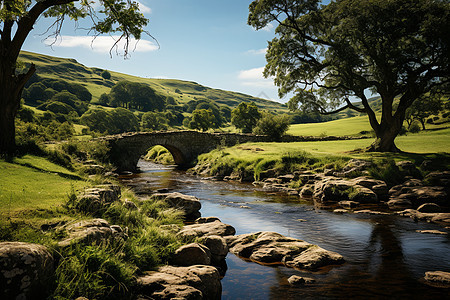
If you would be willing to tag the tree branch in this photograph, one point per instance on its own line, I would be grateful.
(26, 23)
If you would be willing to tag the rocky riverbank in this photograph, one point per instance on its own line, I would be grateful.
(352, 190)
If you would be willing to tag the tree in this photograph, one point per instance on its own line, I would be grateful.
(422, 108)
(106, 75)
(329, 54)
(153, 121)
(202, 119)
(245, 116)
(17, 18)
(272, 125)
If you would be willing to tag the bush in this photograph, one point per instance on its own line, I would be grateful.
(273, 126)
(106, 75)
(415, 128)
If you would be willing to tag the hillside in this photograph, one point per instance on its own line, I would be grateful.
(182, 91)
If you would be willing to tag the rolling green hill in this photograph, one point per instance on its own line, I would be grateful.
(183, 91)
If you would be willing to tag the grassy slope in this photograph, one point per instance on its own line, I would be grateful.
(72, 71)
(349, 126)
(30, 183)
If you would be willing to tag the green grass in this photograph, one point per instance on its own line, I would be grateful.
(344, 127)
(253, 158)
(31, 182)
(350, 126)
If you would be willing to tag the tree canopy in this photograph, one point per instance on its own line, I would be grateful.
(17, 18)
(245, 116)
(328, 55)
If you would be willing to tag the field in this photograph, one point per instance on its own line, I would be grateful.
(350, 126)
(32, 183)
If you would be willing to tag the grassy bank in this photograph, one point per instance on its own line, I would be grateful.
(36, 195)
(248, 161)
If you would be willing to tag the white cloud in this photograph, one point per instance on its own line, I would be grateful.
(257, 52)
(102, 44)
(254, 77)
(143, 8)
(268, 27)
(251, 74)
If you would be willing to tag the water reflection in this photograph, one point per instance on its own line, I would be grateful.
(385, 256)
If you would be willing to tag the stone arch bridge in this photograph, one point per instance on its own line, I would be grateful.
(185, 146)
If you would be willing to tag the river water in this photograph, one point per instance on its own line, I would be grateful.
(385, 257)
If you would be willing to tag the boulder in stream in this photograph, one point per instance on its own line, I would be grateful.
(271, 247)
(207, 229)
(438, 279)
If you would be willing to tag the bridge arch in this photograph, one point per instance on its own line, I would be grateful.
(185, 146)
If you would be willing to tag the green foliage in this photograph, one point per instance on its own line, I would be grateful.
(272, 125)
(414, 128)
(106, 75)
(422, 108)
(35, 93)
(325, 54)
(136, 95)
(152, 121)
(118, 120)
(387, 171)
(160, 155)
(202, 119)
(97, 272)
(245, 116)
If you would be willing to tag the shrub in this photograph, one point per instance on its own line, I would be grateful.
(273, 126)
(106, 75)
(415, 128)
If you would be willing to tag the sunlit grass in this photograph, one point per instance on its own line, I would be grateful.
(31, 183)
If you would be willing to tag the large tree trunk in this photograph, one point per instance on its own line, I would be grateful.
(384, 142)
(386, 132)
(11, 87)
(7, 129)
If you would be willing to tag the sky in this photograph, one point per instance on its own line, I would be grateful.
(206, 41)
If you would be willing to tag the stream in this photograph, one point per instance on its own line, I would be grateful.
(385, 256)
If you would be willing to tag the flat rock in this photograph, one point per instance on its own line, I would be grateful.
(272, 247)
(193, 282)
(313, 258)
(298, 280)
(207, 229)
(26, 271)
(438, 278)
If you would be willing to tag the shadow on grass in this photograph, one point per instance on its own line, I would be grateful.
(61, 174)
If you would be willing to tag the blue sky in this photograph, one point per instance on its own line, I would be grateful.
(207, 41)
